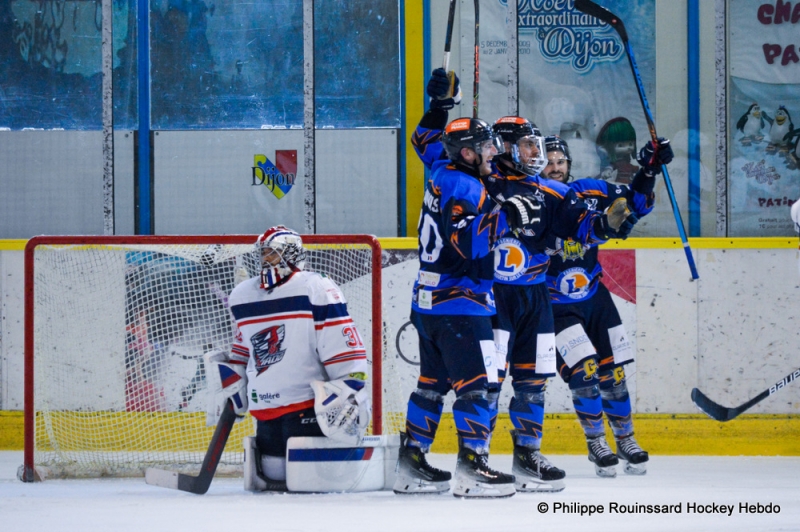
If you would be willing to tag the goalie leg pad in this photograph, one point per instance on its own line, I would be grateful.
(254, 477)
(325, 465)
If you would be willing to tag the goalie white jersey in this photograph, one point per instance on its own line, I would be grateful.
(298, 332)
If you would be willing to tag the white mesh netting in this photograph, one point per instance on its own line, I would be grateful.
(119, 337)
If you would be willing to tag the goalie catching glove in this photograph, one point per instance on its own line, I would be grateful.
(226, 380)
(342, 411)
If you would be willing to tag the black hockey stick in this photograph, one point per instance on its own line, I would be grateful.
(200, 483)
(603, 14)
(477, 60)
(448, 39)
(723, 413)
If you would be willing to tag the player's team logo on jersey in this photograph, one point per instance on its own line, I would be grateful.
(267, 345)
(574, 283)
(509, 259)
(278, 177)
(567, 250)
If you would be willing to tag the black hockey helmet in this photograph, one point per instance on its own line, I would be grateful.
(556, 143)
(515, 129)
(472, 133)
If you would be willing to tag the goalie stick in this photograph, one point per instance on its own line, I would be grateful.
(200, 483)
(723, 413)
(603, 14)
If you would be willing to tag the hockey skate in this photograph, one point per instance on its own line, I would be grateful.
(635, 457)
(475, 479)
(415, 476)
(534, 472)
(601, 456)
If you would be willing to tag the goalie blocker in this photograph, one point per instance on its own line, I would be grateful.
(320, 464)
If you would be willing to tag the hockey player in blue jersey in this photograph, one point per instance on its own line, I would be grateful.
(593, 347)
(523, 326)
(452, 307)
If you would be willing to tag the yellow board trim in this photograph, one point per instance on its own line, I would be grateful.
(664, 434)
(415, 108)
(659, 434)
(631, 243)
(653, 243)
(12, 244)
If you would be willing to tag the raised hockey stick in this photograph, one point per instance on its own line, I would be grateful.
(603, 14)
(200, 483)
(448, 39)
(723, 413)
(477, 60)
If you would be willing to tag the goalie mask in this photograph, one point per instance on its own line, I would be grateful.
(282, 254)
(525, 150)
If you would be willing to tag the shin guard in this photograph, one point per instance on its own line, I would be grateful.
(589, 409)
(616, 404)
(473, 421)
(527, 415)
(422, 420)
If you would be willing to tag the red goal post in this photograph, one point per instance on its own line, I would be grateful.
(115, 329)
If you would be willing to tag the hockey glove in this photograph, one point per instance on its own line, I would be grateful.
(342, 412)
(652, 158)
(225, 380)
(444, 89)
(616, 222)
(522, 212)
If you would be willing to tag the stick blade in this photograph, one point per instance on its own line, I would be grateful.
(603, 14)
(709, 407)
(161, 477)
(178, 481)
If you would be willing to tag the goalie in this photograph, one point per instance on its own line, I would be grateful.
(297, 361)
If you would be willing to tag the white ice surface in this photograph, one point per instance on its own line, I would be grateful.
(131, 505)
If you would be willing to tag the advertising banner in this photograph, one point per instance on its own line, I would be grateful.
(763, 98)
(575, 81)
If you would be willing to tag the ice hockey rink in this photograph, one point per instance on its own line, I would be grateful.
(706, 493)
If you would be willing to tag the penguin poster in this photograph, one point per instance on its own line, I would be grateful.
(763, 106)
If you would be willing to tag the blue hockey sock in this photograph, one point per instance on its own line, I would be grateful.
(472, 419)
(589, 409)
(617, 406)
(527, 415)
(493, 397)
(422, 420)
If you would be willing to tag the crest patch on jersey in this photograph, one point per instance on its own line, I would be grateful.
(509, 259)
(567, 250)
(267, 345)
(573, 283)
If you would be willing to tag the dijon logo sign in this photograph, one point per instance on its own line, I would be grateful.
(566, 34)
(278, 177)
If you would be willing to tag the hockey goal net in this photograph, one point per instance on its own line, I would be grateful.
(115, 332)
